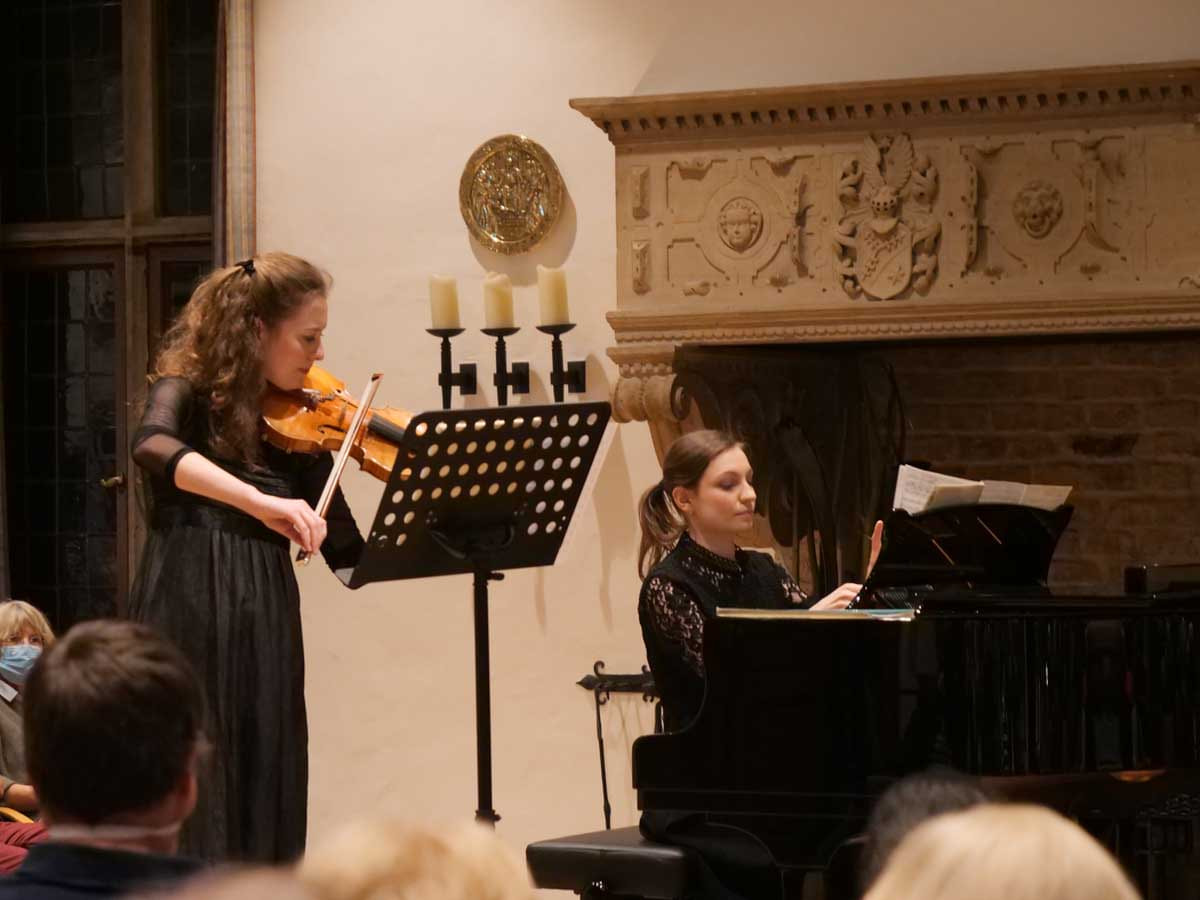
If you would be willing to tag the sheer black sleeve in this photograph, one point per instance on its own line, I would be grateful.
(158, 444)
(674, 617)
(793, 591)
(343, 543)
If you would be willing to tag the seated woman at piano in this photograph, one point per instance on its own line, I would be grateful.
(691, 564)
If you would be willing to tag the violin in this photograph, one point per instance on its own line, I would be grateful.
(317, 417)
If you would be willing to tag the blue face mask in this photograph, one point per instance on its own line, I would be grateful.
(16, 662)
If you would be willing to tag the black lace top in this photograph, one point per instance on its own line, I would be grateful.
(684, 590)
(176, 423)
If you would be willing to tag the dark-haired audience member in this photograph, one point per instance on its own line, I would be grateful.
(905, 805)
(113, 719)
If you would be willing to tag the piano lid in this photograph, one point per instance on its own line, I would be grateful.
(984, 544)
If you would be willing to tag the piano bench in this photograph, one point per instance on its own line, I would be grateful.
(605, 865)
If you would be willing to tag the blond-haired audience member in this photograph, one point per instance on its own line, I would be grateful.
(24, 633)
(392, 861)
(1001, 852)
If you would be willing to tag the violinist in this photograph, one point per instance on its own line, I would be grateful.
(215, 575)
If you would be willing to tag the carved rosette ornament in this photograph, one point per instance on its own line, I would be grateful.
(510, 194)
(887, 237)
(1037, 208)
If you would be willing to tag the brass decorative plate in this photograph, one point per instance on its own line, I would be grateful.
(510, 193)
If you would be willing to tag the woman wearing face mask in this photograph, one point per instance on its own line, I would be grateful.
(24, 633)
(216, 575)
(691, 564)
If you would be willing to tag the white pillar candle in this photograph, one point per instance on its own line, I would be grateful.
(552, 296)
(443, 302)
(497, 301)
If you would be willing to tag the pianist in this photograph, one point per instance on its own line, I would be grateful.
(691, 564)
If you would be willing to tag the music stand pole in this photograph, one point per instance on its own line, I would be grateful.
(483, 699)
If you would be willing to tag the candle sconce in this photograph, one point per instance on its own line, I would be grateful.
(515, 378)
(571, 377)
(464, 378)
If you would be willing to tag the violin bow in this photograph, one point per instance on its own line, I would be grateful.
(343, 454)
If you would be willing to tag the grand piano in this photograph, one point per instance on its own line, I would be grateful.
(1087, 703)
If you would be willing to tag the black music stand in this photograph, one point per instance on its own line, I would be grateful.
(481, 491)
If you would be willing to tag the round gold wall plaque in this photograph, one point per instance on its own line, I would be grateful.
(510, 193)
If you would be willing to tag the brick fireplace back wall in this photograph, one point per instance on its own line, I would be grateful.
(1117, 417)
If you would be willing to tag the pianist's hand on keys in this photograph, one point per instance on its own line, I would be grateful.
(841, 596)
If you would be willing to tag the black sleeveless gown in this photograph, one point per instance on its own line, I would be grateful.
(222, 586)
(678, 595)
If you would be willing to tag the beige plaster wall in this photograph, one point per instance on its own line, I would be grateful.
(367, 111)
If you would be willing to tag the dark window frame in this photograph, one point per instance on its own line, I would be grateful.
(142, 238)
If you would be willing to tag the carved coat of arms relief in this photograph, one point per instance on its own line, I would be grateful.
(887, 237)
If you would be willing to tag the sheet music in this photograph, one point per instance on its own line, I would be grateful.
(953, 495)
(1039, 496)
(1045, 496)
(915, 488)
(1002, 492)
(918, 490)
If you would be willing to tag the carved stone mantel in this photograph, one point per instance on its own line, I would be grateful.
(1024, 203)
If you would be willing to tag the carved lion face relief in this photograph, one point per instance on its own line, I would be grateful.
(739, 224)
(1037, 208)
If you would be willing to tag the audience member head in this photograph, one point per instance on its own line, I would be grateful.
(391, 861)
(24, 634)
(113, 726)
(705, 485)
(1001, 852)
(905, 805)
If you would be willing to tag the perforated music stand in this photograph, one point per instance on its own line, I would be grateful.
(481, 491)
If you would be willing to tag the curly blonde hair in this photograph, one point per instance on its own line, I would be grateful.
(215, 343)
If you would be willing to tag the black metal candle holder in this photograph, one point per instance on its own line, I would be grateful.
(515, 378)
(448, 379)
(571, 377)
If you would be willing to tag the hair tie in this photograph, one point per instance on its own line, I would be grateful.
(247, 266)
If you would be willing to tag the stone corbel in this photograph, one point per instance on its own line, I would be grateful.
(645, 398)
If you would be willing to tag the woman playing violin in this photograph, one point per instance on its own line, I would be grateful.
(215, 574)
